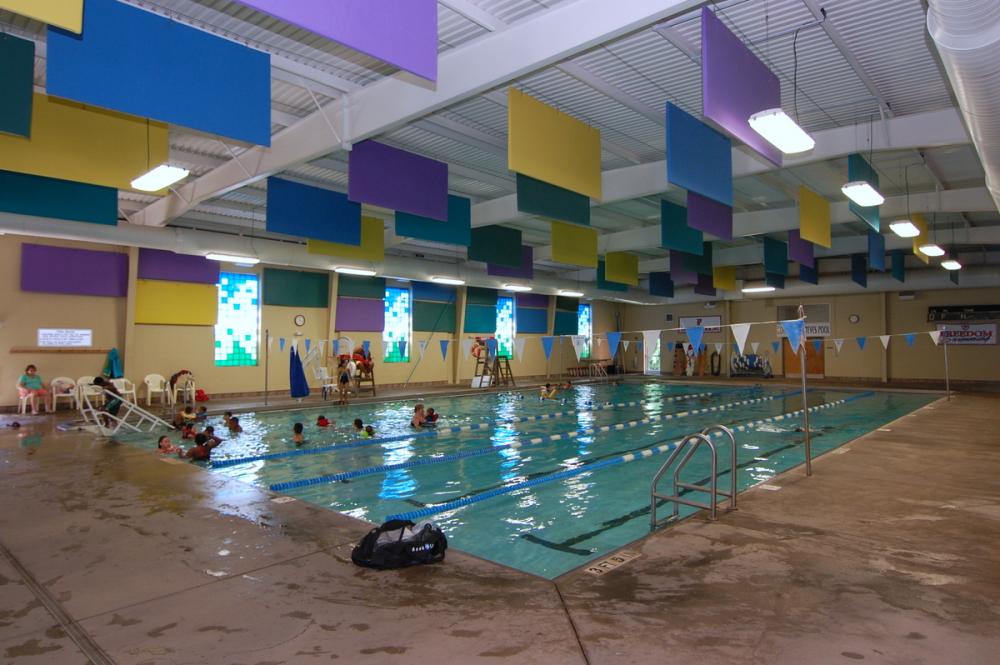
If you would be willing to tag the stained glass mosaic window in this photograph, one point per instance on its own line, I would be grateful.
(583, 327)
(505, 326)
(238, 325)
(396, 334)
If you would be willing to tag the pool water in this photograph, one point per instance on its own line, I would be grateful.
(553, 525)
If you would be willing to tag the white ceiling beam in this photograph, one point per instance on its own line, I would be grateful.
(463, 72)
(924, 130)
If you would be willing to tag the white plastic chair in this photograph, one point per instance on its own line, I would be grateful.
(22, 401)
(327, 385)
(126, 388)
(85, 386)
(59, 386)
(156, 385)
(184, 388)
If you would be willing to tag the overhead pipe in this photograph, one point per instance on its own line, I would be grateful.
(967, 36)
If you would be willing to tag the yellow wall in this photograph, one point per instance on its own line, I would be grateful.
(22, 313)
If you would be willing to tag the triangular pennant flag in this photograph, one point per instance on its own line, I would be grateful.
(335, 346)
(308, 344)
(740, 332)
(736, 349)
(281, 343)
(444, 348)
(491, 346)
(885, 340)
(818, 345)
(649, 339)
(754, 346)
(321, 343)
(422, 344)
(775, 346)
(910, 338)
(466, 347)
(625, 343)
(638, 345)
(519, 347)
(547, 346)
(402, 347)
(613, 339)
(839, 343)
(579, 342)
(861, 342)
(795, 331)
(718, 348)
(385, 348)
(695, 333)
(366, 347)
(270, 342)
(935, 336)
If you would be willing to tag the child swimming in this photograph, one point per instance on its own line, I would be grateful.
(359, 426)
(323, 422)
(297, 437)
(202, 413)
(165, 447)
(548, 392)
(187, 431)
(234, 425)
(431, 417)
(369, 432)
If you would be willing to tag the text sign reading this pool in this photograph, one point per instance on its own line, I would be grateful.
(817, 329)
(711, 323)
(614, 561)
(969, 333)
(65, 337)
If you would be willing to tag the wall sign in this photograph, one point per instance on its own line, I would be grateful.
(968, 333)
(712, 324)
(817, 319)
(65, 337)
(964, 313)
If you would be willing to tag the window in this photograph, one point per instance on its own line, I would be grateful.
(397, 325)
(237, 327)
(583, 327)
(505, 326)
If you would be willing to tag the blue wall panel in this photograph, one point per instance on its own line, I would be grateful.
(25, 194)
(698, 157)
(311, 212)
(480, 319)
(433, 292)
(566, 323)
(533, 321)
(456, 231)
(137, 62)
(876, 250)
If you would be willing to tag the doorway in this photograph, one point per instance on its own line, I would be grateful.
(815, 360)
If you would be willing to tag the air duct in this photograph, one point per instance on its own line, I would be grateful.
(967, 36)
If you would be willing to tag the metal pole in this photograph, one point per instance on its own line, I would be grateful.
(267, 359)
(947, 378)
(805, 403)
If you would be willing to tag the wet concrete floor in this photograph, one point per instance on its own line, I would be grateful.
(889, 553)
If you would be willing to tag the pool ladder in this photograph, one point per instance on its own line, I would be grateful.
(685, 451)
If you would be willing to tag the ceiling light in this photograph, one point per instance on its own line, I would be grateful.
(630, 302)
(904, 228)
(361, 272)
(930, 249)
(230, 258)
(758, 289)
(951, 264)
(162, 176)
(862, 193)
(520, 288)
(781, 131)
(571, 294)
(451, 281)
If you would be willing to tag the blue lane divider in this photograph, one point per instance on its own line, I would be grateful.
(584, 468)
(382, 468)
(438, 432)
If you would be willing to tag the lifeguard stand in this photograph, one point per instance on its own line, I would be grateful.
(496, 371)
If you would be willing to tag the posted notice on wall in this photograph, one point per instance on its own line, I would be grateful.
(65, 337)
(968, 333)
(712, 324)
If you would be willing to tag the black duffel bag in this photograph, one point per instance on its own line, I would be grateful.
(400, 543)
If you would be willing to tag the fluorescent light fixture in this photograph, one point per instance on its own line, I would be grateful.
(781, 131)
(904, 228)
(571, 294)
(862, 193)
(951, 264)
(520, 288)
(758, 289)
(930, 249)
(230, 258)
(361, 272)
(451, 281)
(631, 302)
(162, 176)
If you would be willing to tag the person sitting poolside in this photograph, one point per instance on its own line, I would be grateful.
(30, 385)
(297, 437)
(418, 418)
(165, 447)
(234, 425)
(323, 422)
(431, 418)
(548, 392)
(369, 432)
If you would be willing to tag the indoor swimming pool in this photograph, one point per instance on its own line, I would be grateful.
(542, 486)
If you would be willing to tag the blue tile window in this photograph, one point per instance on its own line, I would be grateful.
(505, 326)
(397, 325)
(583, 327)
(237, 328)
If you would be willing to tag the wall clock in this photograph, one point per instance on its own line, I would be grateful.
(854, 318)
(300, 320)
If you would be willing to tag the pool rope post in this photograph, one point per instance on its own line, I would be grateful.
(805, 403)
(947, 377)
(267, 358)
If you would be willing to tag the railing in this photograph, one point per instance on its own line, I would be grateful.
(684, 452)
(109, 424)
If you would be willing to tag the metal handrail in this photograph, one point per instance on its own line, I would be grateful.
(145, 417)
(732, 459)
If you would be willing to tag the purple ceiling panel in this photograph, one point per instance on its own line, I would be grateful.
(161, 264)
(710, 216)
(735, 84)
(705, 286)
(799, 250)
(360, 314)
(81, 272)
(532, 300)
(526, 271)
(399, 180)
(678, 273)
(401, 32)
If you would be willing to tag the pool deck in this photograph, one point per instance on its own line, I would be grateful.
(889, 553)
